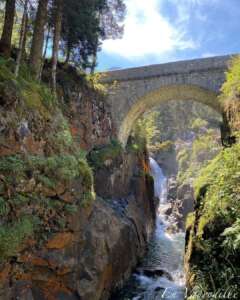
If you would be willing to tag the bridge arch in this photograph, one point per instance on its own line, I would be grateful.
(182, 92)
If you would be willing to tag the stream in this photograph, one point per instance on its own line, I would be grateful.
(160, 274)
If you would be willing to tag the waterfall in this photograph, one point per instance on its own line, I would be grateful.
(160, 275)
(160, 181)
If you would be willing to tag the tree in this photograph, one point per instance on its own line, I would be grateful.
(22, 39)
(38, 38)
(58, 11)
(86, 23)
(5, 43)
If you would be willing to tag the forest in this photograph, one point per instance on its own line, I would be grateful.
(35, 33)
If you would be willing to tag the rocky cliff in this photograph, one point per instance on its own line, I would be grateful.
(69, 230)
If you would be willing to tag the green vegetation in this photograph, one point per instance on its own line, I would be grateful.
(175, 118)
(45, 170)
(193, 158)
(27, 178)
(146, 129)
(230, 95)
(34, 184)
(213, 231)
(13, 235)
(26, 94)
(98, 156)
(164, 146)
(217, 235)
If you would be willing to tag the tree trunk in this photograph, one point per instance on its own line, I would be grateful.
(45, 50)
(24, 54)
(68, 55)
(22, 38)
(5, 43)
(94, 63)
(58, 9)
(38, 38)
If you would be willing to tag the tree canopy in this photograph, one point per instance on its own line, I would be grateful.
(70, 31)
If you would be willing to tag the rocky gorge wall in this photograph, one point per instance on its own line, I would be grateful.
(69, 230)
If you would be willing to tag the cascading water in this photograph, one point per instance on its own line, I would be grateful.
(160, 275)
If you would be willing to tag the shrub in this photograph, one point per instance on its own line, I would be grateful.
(4, 207)
(13, 235)
(230, 94)
(70, 208)
(98, 156)
(215, 233)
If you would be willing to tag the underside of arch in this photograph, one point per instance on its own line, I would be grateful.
(163, 94)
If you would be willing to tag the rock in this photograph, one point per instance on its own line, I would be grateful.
(157, 273)
(158, 289)
(60, 240)
(172, 229)
(183, 190)
(167, 209)
(166, 158)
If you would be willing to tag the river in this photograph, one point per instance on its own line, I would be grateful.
(160, 274)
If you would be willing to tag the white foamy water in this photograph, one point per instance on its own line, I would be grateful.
(165, 253)
(164, 258)
(160, 181)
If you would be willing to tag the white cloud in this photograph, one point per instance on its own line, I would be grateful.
(147, 32)
(209, 54)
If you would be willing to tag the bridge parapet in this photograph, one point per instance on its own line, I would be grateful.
(168, 69)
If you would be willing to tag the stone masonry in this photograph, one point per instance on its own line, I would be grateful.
(131, 92)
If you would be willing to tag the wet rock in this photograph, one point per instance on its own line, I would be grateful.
(172, 229)
(167, 209)
(157, 273)
(158, 289)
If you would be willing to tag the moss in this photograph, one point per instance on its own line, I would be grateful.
(70, 208)
(98, 156)
(12, 236)
(18, 171)
(87, 198)
(32, 183)
(4, 207)
(6, 67)
(46, 170)
(190, 220)
(230, 94)
(46, 181)
(35, 94)
(19, 200)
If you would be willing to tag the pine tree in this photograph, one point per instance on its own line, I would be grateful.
(22, 39)
(58, 13)
(38, 38)
(5, 43)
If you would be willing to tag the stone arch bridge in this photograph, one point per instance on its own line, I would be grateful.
(131, 92)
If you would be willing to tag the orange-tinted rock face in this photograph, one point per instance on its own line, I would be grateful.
(60, 241)
(90, 122)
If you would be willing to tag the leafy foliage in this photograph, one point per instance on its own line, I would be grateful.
(214, 229)
(13, 235)
(194, 157)
(98, 156)
(230, 95)
(146, 128)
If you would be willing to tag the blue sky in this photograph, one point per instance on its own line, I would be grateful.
(158, 31)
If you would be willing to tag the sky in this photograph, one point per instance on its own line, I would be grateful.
(159, 31)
